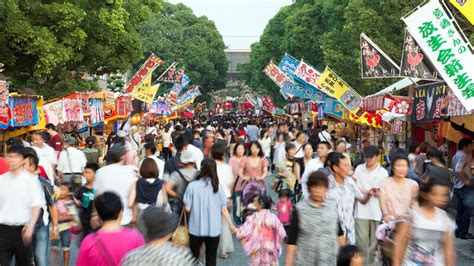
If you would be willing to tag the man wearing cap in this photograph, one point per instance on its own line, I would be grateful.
(178, 181)
(71, 162)
(160, 226)
(367, 217)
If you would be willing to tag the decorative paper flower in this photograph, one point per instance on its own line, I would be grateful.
(402, 107)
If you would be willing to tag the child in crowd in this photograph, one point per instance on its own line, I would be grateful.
(284, 207)
(85, 197)
(262, 234)
(350, 255)
(67, 216)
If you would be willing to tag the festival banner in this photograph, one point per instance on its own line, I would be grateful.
(252, 100)
(374, 62)
(288, 65)
(294, 108)
(55, 113)
(169, 75)
(415, 63)
(455, 107)
(24, 111)
(4, 104)
(185, 81)
(333, 108)
(268, 104)
(434, 30)
(146, 69)
(397, 127)
(188, 96)
(302, 91)
(160, 108)
(307, 74)
(397, 105)
(123, 108)
(334, 86)
(97, 112)
(466, 7)
(73, 110)
(177, 88)
(84, 98)
(275, 74)
(146, 93)
(430, 102)
(373, 103)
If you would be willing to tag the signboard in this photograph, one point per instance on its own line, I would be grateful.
(335, 87)
(415, 63)
(374, 62)
(146, 69)
(188, 96)
(146, 93)
(24, 111)
(288, 65)
(307, 74)
(466, 7)
(434, 30)
(333, 108)
(301, 91)
(275, 74)
(430, 102)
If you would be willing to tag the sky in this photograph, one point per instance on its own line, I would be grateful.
(240, 22)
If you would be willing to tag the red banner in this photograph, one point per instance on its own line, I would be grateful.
(150, 64)
(123, 107)
(373, 104)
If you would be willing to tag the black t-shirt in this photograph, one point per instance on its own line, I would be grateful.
(86, 196)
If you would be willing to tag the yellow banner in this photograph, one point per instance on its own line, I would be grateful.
(146, 93)
(466, 7)
(335, 87)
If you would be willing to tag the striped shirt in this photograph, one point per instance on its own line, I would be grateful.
(166, 255)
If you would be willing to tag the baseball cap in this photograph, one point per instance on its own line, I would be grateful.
(187, 157)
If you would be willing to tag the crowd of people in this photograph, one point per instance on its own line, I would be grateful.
(177, 193)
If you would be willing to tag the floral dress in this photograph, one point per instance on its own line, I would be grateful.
(262, 237)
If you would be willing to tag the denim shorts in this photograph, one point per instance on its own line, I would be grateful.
(64, 240)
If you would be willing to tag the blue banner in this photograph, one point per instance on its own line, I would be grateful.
(177, 88)
(332, 108)
(288, 65)
(302, 91)
(24, 112)
(185, 80)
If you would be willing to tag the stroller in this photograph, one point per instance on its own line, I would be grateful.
(250, 190)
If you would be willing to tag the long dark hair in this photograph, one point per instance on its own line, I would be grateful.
(259, 146)
(209, 170)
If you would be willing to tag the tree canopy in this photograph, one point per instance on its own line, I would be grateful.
(176, 34)
(49, 45)
(326, 32)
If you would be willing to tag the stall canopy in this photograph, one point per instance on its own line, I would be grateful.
(396, 86)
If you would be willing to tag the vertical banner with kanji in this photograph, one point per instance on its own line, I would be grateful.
(434, 30)
(431, 102)
(334, 86)
(415, 63)
(374, 62)
(146, 69)
(4, 104)
(146, 93)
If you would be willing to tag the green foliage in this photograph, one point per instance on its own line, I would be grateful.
(49, 45)
(326, 33)
(176, 34)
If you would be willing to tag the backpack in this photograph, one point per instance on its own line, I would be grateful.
(92, 155)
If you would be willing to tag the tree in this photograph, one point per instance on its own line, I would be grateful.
(176, 34)
(50, 45)
(326, 33)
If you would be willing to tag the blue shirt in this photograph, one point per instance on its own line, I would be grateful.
(458, 164)
(253, 132)
(206, 206)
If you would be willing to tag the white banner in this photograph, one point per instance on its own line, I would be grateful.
(434, 30)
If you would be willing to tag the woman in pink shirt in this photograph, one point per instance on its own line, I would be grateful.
(254, 167)
(112, 242)
(397, 193)
(234, 162)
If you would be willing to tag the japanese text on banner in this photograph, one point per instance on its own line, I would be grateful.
(150, 64)
(307, 74)
(435, 32)
(275, 74)
(335, 87)
(146, 93)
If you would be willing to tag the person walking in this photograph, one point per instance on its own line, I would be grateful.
(21, 200)
(254, 167)
(110, 244)
(48, 158)
(463, 187)
(55, 141)
(166, 138)
(224, 173)
(324, 148)
(92, 153)
(237, 186)
(71, 164)
(368, 216)
(206, 203)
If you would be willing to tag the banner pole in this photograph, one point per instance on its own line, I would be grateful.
(162, 74)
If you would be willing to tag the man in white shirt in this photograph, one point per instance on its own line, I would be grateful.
(71, 161)
(299, 142)
(46, 154)
(368, 216)
(117, 177)
(21, 199)
(324, 135)
(324, 148)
